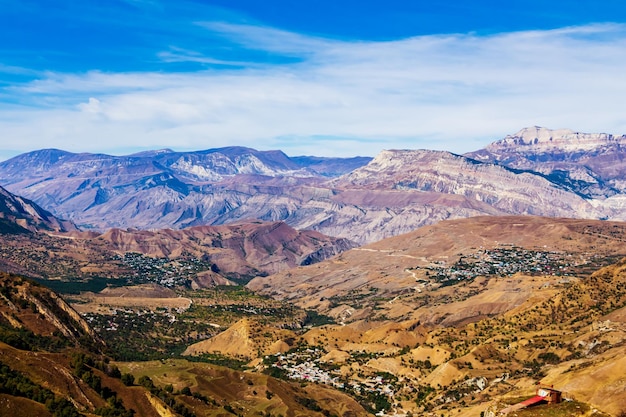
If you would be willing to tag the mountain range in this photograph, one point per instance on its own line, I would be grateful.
(557, 173)
(459, 317)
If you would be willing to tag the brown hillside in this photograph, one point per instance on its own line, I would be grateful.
(244, 339)
(400, 266)
(236, 248)
(469, 314)
(565, 334)
(21, 407)
(30, 307)
(36, 356)
(246, 393)
(204, 255)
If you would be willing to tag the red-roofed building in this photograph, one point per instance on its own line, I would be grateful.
(544, 395)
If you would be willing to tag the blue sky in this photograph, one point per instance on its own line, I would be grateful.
(332, 78)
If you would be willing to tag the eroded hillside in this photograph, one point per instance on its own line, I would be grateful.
(201, 256)
(51, 364)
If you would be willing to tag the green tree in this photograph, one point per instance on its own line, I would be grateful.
(128, 379)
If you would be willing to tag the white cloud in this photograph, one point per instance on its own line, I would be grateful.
(92, 106)
(455, 92)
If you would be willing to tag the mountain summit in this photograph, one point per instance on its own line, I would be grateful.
(590, 164)
(541, 138)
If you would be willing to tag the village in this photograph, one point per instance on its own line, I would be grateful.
(162, 271)
(509, 260)
(307, 364)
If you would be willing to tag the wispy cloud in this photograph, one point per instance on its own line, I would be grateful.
(176, 54)
(454, 92)
(269, 39)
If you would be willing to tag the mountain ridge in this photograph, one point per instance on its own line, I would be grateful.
(393, 193)
(447, 173)
(198, 256)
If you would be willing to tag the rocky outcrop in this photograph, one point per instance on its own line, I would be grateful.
(22, 298)
(54, 309)
(513, 192)
(592, 165)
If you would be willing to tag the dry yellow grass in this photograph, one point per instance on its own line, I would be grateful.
(104, 304)
(149, 296)
(244, 339)
(246, 392)
(602, 382)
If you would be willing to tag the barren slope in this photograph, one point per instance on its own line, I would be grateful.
(205, 255)
(18, 215)
(405, 265)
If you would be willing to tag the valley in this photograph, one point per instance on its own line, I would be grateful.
(415, 283)
(458, 318)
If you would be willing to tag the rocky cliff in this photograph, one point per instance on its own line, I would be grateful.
(510, 191)
(590, 164)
